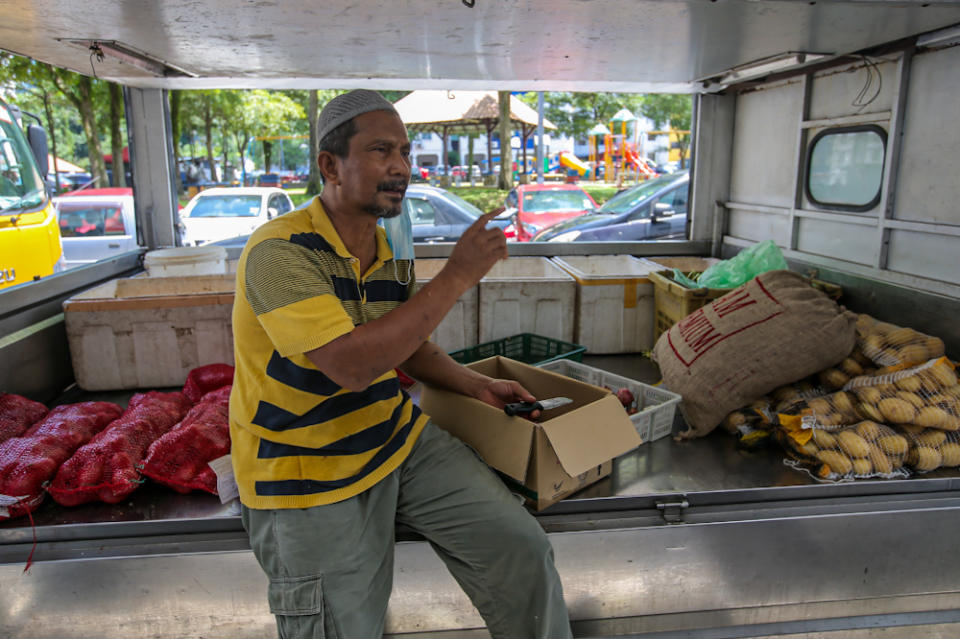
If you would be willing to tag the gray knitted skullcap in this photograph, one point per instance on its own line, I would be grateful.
(347, 106)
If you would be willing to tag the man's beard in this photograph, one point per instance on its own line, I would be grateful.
(387, 211)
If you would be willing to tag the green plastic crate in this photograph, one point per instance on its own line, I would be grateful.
(525, 347)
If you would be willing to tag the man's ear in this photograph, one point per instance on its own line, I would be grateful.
(329, 167)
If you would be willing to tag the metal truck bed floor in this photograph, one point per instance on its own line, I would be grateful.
(752, 548)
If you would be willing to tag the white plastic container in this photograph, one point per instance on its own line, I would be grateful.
(527, 295)
(186, 260)
(614, 308)
(459, 329)
(149, 332)
(655, 407)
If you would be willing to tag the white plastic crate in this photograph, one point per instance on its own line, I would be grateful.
(614, 308)
(655, 406)
(149, 332)
(527, 295)
(459, 329)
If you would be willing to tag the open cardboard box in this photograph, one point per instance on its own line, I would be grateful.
(568, 448)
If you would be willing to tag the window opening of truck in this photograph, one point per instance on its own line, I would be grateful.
(20, 186)
(845, 167)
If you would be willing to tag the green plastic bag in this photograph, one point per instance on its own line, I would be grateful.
(740, 269)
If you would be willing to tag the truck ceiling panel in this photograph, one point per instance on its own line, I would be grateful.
(585, 45)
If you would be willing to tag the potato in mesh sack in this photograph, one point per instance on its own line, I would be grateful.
(750, 424)
(931, 448)
(179, 459)
(790, 394)
(926, 395)
(17, 414)
(889, 346)
(28, 461)
(105, 469)
(855, 365)
(829, 412)
(865, 449)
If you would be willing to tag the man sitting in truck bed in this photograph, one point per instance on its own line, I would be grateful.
(328, 451)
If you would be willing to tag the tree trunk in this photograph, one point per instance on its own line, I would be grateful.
(241, 143)
(505, 181)
(175, 99)
(48, 113)
(267, 153)
(313, 182)
(226, 177)
(208, 130)
(116, 137)
(88, 118)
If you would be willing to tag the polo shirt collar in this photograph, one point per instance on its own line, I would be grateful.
(322, 225)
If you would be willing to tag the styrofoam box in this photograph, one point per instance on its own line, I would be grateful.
(614, 308)
(655, 406)
(459, 329)
(149, 332)
(527, 295)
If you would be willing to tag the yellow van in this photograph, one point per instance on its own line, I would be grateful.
(29, 235)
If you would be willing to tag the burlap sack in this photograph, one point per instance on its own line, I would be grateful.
(773, 330)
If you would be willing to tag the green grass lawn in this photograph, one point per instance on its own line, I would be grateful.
(487, 198)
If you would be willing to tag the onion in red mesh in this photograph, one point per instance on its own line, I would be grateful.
(179, 458)
(205, 379)
(105, 469)
(17, 414)
(26, 462)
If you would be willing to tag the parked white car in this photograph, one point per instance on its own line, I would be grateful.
(96, 224)
(224, 213)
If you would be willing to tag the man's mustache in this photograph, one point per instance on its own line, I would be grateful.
(395, 185)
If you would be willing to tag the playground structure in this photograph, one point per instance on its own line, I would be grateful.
(621, 159)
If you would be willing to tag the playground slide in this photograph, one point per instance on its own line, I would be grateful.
(572, 162)
(634, 159)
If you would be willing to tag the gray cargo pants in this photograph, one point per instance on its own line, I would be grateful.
(331, 567)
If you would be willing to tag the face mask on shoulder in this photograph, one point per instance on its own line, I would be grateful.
(400, 238)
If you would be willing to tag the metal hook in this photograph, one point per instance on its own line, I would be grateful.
(95, 50)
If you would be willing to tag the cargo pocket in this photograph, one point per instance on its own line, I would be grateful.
(297, 603)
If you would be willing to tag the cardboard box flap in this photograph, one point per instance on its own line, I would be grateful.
(611, 434)
(503, 442)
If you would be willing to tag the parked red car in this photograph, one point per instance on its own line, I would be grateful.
(534, 207)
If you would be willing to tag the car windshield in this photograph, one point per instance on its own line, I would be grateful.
(628, 200)
(20, 186)
(464, 205)
(542, 201)
(89, 220)
(226, 206)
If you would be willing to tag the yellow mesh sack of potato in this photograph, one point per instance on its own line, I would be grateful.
(751, 424)
(790, 394)
(891, 347)
(931, 448)
(831, 411)
(859, 451)
(927, 395)
(855, 365)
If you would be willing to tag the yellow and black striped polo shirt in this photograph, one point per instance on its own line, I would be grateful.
(298, 438)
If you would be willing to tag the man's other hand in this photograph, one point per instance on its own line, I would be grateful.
(500, 392)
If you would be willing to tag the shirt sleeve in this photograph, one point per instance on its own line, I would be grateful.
(293, 297)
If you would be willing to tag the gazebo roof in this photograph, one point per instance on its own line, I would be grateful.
(424, 108)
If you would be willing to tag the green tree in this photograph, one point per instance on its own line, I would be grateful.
(258, 113)
(84, 93)
(576, 113)
(671, 110)
(35, 92)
